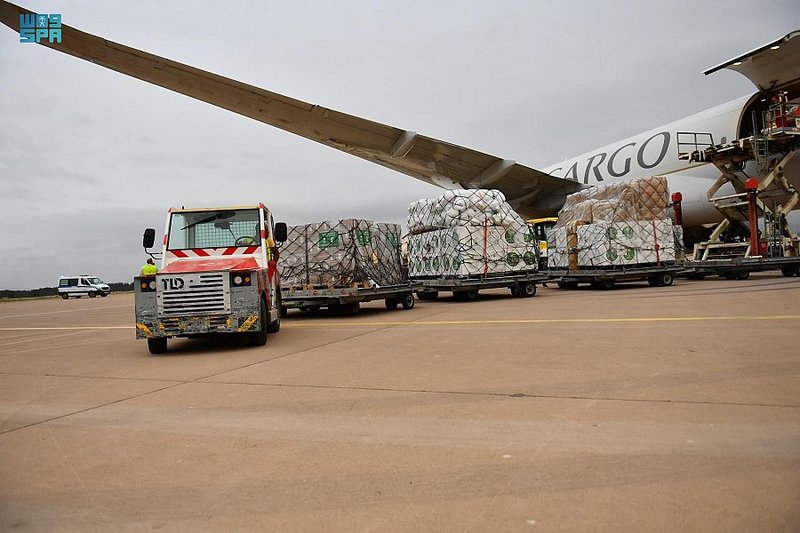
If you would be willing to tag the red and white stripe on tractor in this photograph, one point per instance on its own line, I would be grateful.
(211, 252)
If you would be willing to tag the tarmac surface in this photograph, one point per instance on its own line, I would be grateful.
(636, 409)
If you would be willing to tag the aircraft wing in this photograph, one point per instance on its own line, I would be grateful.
(530, 191)
(771, 67)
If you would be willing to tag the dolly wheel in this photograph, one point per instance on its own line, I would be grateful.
(470, 294)
(348, 309)
(790, 270)
(408, 301)
(427, 295)
(391, 303)
(515, 291)
(528, 290)
(742, 274)
(666, 279)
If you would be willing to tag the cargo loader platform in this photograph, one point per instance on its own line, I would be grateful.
(521, 284)
(656, 275)
(757, 209)
(753, 235)
(346, 300)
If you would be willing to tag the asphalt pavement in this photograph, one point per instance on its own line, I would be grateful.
(636, 409)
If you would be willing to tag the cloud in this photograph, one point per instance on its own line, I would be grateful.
(89, 157)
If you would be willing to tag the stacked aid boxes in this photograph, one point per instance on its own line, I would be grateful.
(625, 224)
(468, 233)
(342, 253)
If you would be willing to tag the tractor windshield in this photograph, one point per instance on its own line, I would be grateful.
(214, 229)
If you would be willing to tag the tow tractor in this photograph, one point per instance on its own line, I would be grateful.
(541, 228)
(218, 275)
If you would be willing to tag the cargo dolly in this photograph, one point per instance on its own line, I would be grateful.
(346, 300)
(741, 267)
(656, 275)
(522, 285)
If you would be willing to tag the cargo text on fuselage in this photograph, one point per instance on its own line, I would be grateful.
(616, 162)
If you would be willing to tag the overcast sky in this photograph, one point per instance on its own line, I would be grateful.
(90, 157)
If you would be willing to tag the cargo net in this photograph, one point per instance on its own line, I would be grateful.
(342, 253)
(623, 224)
(468, 233)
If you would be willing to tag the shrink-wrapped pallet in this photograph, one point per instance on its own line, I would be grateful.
(457, 207)
(624, 224)
(342, 253)
(465, 251)
(642, 199)
(610, 244)
(557, 253)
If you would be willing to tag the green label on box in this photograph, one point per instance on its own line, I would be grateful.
(529, 236)
(363, 237)
(529, 258)
(328, 239)
(513, 259)
(509, 236)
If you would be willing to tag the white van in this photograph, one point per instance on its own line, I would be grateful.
(78, 286)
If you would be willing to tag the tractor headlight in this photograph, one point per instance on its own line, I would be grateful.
(241, 280)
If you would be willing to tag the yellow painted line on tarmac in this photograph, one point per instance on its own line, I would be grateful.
(348, 324)
(542, 321)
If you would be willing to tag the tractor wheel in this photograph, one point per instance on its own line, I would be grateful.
(157, 345)
(259, 338)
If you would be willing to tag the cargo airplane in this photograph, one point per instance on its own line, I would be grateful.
(772, 68)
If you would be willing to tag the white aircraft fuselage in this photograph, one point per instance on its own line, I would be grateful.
(655, 153)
